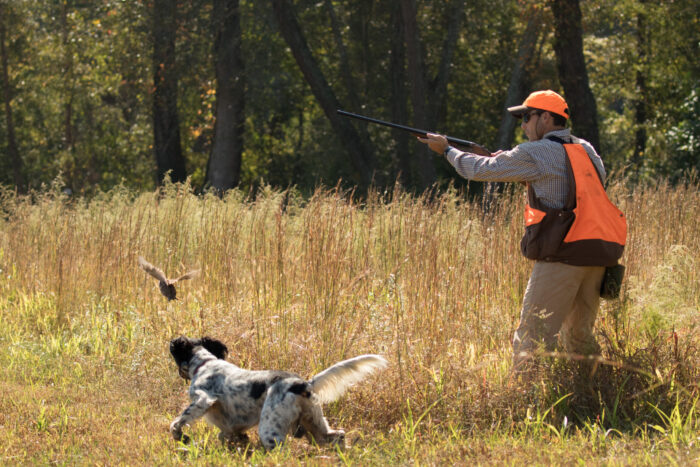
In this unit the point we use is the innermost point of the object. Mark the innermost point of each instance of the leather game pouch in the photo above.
(612, 281)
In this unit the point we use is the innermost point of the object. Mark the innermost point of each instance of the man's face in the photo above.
(531, 124)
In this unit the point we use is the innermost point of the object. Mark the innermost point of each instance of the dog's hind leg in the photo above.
(316, 425)
(280, 413)
(200, 404)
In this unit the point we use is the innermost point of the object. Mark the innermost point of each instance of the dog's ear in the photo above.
(215, 347)
(181, 349)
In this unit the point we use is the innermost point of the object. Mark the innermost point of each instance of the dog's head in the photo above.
(183, 348)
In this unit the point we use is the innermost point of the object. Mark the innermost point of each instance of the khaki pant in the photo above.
(560, 300)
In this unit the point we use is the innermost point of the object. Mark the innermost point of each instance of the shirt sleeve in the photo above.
(515, 165)
(597, 161)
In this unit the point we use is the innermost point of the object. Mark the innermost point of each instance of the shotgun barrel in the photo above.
(464, 144)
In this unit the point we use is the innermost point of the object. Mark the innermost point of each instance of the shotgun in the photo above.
(462, 144)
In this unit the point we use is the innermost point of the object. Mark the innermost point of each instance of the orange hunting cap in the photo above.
(542, 100)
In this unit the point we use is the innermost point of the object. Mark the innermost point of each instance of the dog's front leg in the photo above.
(201, 402)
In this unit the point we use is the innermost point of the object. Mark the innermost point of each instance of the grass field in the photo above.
(289, 283)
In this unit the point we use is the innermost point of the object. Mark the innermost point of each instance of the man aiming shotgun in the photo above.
(573, 232)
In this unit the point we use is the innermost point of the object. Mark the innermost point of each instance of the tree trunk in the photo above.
(438, 96)
(640, 106)
(344, 62)
(68, 77)
(12, 149)
(224, 168)
(571, 66)
(346, 74)
(419, 98)
(360, 150)
(528, 55)
(166, 126)
(399, 95)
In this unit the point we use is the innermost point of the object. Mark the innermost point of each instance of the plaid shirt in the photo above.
(541, 163)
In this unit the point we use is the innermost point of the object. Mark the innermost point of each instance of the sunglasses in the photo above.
(528, 116)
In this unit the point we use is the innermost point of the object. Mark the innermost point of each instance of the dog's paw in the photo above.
(233, 440)
(336, 438)
(179, 436)
(300, 432)
(176, 432)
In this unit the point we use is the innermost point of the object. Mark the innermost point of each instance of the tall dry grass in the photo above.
(434, 283)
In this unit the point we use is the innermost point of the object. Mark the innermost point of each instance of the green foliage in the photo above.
(679, 427)
(80, 83)
(666, 59)
(684, 139)
(80, 93)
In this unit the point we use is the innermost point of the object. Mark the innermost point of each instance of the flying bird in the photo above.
(166, 286)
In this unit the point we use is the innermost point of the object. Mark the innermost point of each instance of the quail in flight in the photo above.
(166, 286)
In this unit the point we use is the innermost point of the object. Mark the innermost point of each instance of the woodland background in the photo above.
(238, 93)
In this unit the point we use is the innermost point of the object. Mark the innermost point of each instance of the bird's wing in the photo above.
(152, 270)
(186, 276)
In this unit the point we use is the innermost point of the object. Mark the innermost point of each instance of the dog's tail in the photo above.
(332, 382)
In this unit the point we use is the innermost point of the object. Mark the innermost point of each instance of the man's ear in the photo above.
(549, 119)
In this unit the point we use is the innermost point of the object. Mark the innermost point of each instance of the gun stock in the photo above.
(462, 144)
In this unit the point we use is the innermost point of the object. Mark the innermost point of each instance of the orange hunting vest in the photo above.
(589, 231)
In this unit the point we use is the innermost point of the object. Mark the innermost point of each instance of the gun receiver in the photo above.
(463, 144)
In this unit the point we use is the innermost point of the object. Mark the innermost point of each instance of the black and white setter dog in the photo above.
(279, 402)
